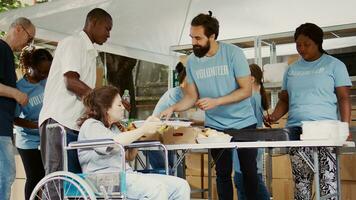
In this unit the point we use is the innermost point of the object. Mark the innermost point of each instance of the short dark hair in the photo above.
(313, 32)
(210, 24)
(98, 14)
(180, 69)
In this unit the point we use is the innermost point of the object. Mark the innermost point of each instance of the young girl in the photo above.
(36, 65)
(259, 103)
(104, 110)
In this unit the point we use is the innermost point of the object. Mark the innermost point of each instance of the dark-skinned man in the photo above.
(72, 76)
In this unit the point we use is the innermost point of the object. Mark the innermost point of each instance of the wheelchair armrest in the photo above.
(143, 144)
(85, 144)
(91, 144)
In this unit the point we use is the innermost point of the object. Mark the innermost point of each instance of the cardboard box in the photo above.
(281, 167)
(348, 190)
(283, 189)
(197, 182)
(181, 135)
(156, 137)
(197, 165)
(347, 167)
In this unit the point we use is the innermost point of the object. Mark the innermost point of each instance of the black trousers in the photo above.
(248, 166)
(32, 162)
(52, 153)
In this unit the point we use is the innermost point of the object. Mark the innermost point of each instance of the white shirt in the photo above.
(74, 53)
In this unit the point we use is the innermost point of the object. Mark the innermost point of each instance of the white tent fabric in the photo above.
(243, 18)
(146, 29)
(142, 29)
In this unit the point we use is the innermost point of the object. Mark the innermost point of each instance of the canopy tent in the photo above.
(147, 29)
(141, 29)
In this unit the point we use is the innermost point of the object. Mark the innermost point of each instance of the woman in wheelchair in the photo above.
(103, 112)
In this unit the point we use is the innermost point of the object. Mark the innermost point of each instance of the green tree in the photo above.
(6, 5)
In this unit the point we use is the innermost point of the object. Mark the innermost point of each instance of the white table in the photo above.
(271, 144)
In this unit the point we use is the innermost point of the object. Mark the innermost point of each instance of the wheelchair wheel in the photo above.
(62, 185)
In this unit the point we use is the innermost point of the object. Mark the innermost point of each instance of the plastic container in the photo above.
(126, 97)
(325, 130)
(216, 139)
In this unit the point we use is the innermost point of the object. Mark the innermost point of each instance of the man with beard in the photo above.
(219, 83)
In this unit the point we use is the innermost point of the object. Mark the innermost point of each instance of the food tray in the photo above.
(265, 134)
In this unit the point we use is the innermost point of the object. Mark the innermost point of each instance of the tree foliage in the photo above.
(6, 5)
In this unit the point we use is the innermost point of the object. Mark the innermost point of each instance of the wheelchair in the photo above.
(71, 184)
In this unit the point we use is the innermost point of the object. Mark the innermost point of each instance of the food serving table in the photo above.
(315, 144)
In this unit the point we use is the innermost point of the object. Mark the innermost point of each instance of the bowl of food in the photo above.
(212, 136)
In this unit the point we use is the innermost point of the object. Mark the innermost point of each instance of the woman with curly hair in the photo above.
(35, 64)
(103, 112)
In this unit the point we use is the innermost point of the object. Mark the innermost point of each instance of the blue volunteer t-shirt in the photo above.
(169, 98)
(215, 77)
(311, 89)
(29, 138)
(256, 102)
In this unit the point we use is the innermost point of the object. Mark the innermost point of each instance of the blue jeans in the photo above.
(156, 160)
(7, 167)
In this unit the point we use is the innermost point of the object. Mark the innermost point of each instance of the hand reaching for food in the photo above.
(151, 125)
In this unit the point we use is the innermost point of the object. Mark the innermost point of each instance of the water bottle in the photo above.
(126, 97)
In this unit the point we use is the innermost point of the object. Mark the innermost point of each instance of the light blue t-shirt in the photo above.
(169, 98)
(256, 102)
(29, 138)
(216, 77)
(311, 89)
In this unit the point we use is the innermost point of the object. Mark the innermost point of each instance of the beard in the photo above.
(201, 51)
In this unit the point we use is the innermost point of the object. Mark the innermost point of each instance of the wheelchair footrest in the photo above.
(154, 171)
